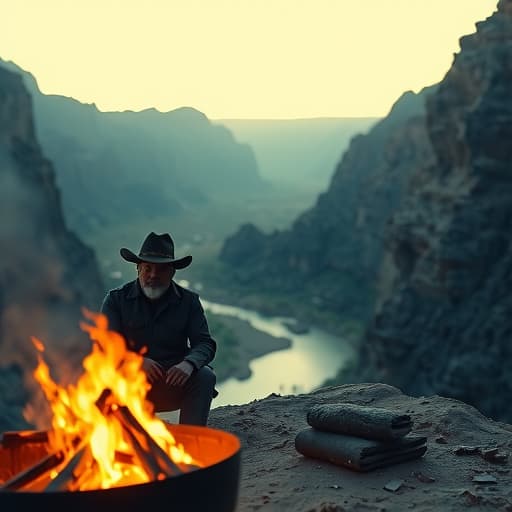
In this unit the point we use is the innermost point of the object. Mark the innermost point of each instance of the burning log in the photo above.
(70, 471)
(132, 426)
(39, 475)
(11, 439)
(33, 473)
(151, 456)
(71, 467)
(84, 473)
(145, 458)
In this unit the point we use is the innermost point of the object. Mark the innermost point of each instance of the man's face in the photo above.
(155, 278)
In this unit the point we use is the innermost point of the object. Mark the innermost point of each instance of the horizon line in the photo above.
(291, 118)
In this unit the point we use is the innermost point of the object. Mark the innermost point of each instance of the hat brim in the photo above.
(133, 258)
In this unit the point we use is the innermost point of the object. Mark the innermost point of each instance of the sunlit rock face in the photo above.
(444, 318)
(46, 273)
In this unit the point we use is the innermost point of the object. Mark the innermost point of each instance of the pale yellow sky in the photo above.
(238, 58)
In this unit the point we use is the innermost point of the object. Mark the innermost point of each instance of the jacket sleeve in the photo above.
(203, 346)
(110, 309)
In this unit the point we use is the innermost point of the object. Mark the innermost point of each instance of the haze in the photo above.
(238, 58)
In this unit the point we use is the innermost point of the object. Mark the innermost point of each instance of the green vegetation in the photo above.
(226, 359)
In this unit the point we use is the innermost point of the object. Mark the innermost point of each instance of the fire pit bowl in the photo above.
(212, 488)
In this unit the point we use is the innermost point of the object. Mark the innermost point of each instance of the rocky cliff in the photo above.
(414, 235)
(444, 317)
(329, 259)
(46, 273)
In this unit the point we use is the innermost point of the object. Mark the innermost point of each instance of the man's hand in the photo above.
(153, 370)
(178, 374)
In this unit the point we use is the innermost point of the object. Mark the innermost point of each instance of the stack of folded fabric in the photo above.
(359, 437)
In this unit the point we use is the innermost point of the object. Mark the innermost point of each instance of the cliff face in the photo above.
(444, 319)
(46, 273)
(330, 257)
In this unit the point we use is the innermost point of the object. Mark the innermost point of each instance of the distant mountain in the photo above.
(330, 256)
(298, 152)
(47, 274)
(113, 167)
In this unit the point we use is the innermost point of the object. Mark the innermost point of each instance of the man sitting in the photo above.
(167, 324)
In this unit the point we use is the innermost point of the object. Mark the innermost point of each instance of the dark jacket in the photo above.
(173, 328)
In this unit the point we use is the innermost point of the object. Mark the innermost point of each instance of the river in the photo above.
(311, 358)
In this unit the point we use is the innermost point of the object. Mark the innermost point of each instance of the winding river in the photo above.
(311, 358)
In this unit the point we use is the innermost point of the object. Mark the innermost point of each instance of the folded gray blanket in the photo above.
(361, 421)
(357, 453)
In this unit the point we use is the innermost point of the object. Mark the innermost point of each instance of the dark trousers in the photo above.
(193, 399)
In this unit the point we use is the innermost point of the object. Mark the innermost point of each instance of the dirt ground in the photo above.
(461, 444)
(274, 476)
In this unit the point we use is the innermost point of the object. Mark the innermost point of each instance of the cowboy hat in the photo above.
(156, 249)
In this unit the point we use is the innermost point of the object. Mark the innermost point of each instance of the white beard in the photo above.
(154, 293)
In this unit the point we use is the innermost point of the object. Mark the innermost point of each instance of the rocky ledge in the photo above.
(466, 463)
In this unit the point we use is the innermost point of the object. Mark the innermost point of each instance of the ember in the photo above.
(104, 433)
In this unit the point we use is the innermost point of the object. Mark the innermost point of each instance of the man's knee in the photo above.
(206, 377)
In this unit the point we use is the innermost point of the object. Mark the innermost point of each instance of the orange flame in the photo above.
(77, 420)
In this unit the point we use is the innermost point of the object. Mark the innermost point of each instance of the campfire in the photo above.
(105, 437)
